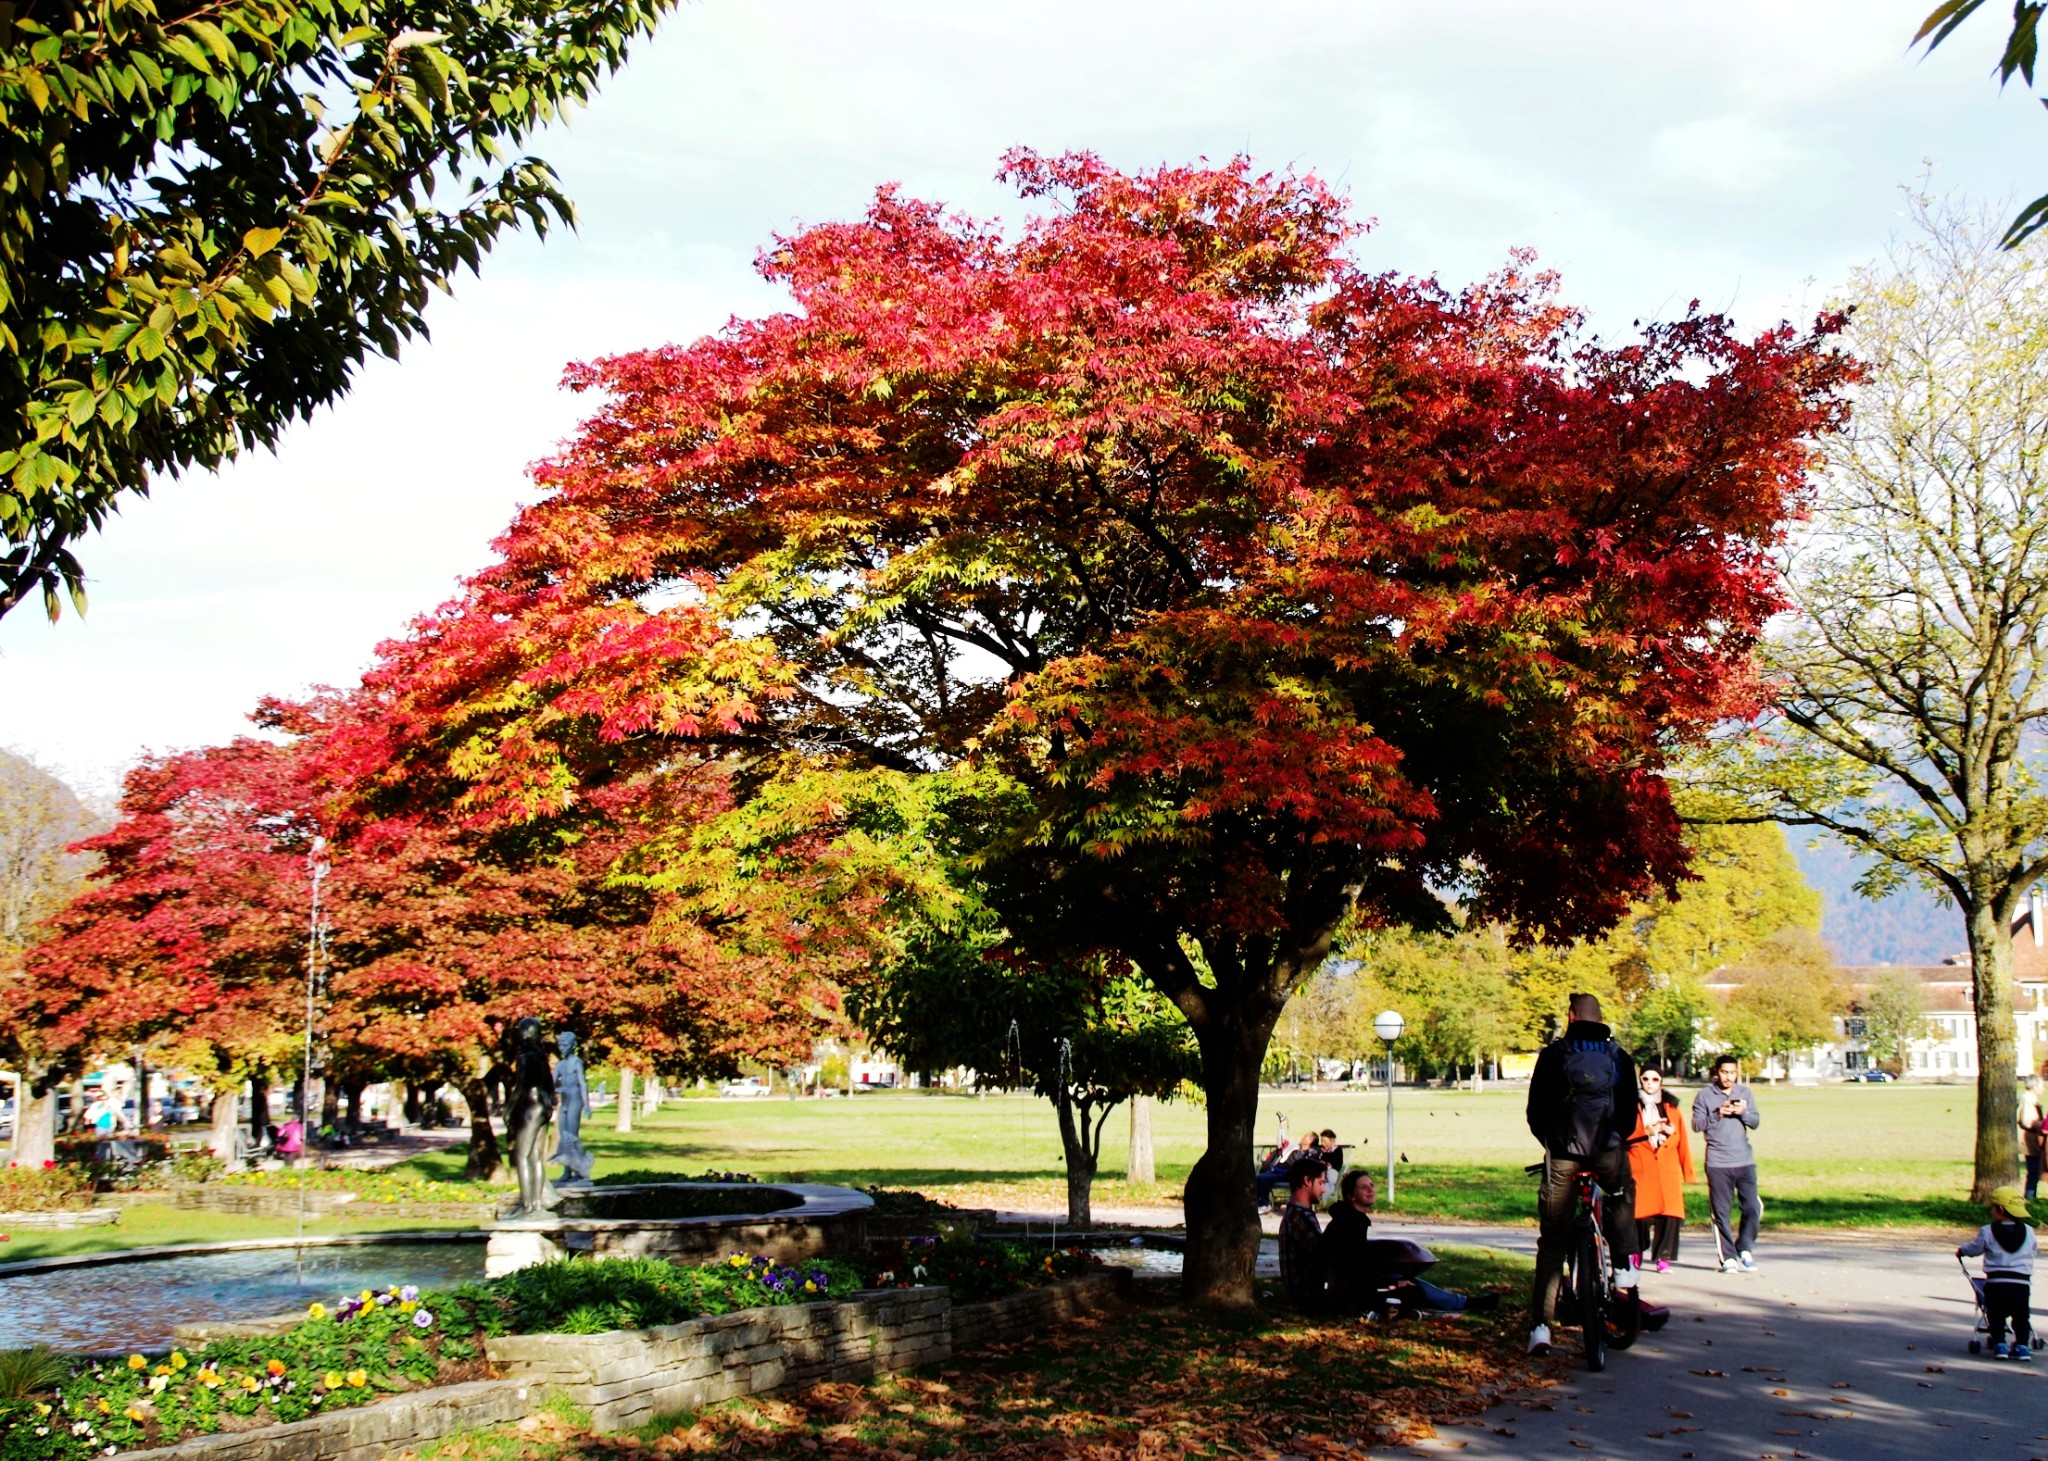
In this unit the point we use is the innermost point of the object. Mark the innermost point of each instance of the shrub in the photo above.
(27, 1373)
(585, 1297)
(641, 1176)
(972, 1271)
(48, 1188)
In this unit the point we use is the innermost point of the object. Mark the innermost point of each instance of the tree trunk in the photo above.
(352, 1098)
(415, 1104)
(1081, 1155)
(650, 1102)
(1998, 1147)
(330, 1103)
(1219, 1202)
(222, 1139)
(259, 1107)
(623, 1119)
(486, 1162)
(35, 1117)
(1138, 1167)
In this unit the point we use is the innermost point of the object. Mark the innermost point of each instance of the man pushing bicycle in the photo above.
(1582, 1107)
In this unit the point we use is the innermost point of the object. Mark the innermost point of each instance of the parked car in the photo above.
(745, 1086)
(1872, 1077)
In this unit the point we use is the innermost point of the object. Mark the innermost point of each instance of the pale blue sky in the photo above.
(1745, 154)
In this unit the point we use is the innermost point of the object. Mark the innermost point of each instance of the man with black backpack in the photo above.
(1582, 1107)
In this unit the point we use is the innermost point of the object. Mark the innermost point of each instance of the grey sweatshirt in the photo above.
(1727, 1136)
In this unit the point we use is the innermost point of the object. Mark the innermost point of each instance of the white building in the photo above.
(1949, 1050)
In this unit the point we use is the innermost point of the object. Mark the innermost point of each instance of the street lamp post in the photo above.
(1388, 1025)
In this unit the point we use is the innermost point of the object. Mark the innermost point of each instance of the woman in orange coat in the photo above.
(1660, 1162)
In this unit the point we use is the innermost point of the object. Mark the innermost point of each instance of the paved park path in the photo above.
(1836, 1349)
(1843, 1348)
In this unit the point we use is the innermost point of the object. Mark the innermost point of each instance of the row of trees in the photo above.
(1473, 993)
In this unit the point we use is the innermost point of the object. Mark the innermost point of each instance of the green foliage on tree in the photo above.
(1893, 1011)
(1664, 1024)
(1791, 993)
(215, 212)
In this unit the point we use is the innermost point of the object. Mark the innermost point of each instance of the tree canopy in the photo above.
(1909, 690)
(215, 212)
(1280, 592)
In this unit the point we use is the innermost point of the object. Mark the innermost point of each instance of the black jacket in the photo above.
(1549, 1092)
(1347, 1270)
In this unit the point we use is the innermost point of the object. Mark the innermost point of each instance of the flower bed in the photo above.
(371, 1345)
(973, 1271)
(48, 1188)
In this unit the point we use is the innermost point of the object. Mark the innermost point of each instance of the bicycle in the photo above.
(1608, 1317)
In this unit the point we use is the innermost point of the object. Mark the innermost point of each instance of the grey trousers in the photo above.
(1738, 1184)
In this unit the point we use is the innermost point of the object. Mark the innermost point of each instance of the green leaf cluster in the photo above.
(211, 214)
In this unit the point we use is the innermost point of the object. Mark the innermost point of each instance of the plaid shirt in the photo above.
(1301, 1266)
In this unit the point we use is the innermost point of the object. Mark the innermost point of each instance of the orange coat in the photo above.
(1660, 1175)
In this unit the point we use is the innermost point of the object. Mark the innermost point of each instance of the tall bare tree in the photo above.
(39, 818)
(1912, 684)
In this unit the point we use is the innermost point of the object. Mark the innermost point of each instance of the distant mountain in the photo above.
(1909, 927)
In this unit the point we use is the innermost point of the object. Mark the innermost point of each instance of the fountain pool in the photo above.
(134, 1304)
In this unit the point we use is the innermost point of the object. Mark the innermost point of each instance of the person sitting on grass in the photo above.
(2006, 1244)
(1355, 1272)
(1301, 1235)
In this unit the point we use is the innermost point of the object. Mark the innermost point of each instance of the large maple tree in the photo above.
(1277, 592)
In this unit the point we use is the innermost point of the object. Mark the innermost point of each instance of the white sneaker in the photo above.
(1748, 1263)
(1539, 1339)
(1729, 1265)
(1624, 1278)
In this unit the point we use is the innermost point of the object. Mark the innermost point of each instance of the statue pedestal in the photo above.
(512, 1247)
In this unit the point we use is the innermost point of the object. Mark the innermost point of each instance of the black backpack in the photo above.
(1586, 1125)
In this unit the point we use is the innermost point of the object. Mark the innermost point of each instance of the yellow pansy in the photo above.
(358, 1378)
(178, 1360)
(137, 1362)
(316, 1311)
(333, 1380)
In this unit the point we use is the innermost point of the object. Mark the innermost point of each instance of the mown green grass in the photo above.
(146, 1226)
(1832, 1156)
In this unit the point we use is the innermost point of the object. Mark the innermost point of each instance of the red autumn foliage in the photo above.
(1282, 591)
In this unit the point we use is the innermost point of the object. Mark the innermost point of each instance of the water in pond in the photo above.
(133, 1306)
(1167, 1260)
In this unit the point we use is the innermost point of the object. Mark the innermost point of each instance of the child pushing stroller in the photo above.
(2006, 1244)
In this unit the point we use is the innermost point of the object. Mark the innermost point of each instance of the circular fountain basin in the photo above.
(690, 1222)
(118, 1303)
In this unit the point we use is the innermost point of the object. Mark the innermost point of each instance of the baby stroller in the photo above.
(1977, 1294)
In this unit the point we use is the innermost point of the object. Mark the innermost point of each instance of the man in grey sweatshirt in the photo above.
(1725, 1113)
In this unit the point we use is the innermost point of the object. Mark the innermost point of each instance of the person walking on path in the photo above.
(1725, 1113)
(1582, 1106)
(2032, 1139)
(1660, 1162)
(2006, 1244)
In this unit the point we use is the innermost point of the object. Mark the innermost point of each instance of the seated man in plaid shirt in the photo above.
(1301, 1234)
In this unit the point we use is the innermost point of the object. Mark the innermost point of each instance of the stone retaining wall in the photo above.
(276, 1202)
(90, 1217)
(1018, 1315)
(365, 1432)
(629, 1377)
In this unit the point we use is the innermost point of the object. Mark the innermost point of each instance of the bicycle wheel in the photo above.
(1590, 1301)
(1624, 1318)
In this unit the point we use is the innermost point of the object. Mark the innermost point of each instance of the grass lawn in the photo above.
(145, 1226)
(1165, 1381)
(1831, 1156)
